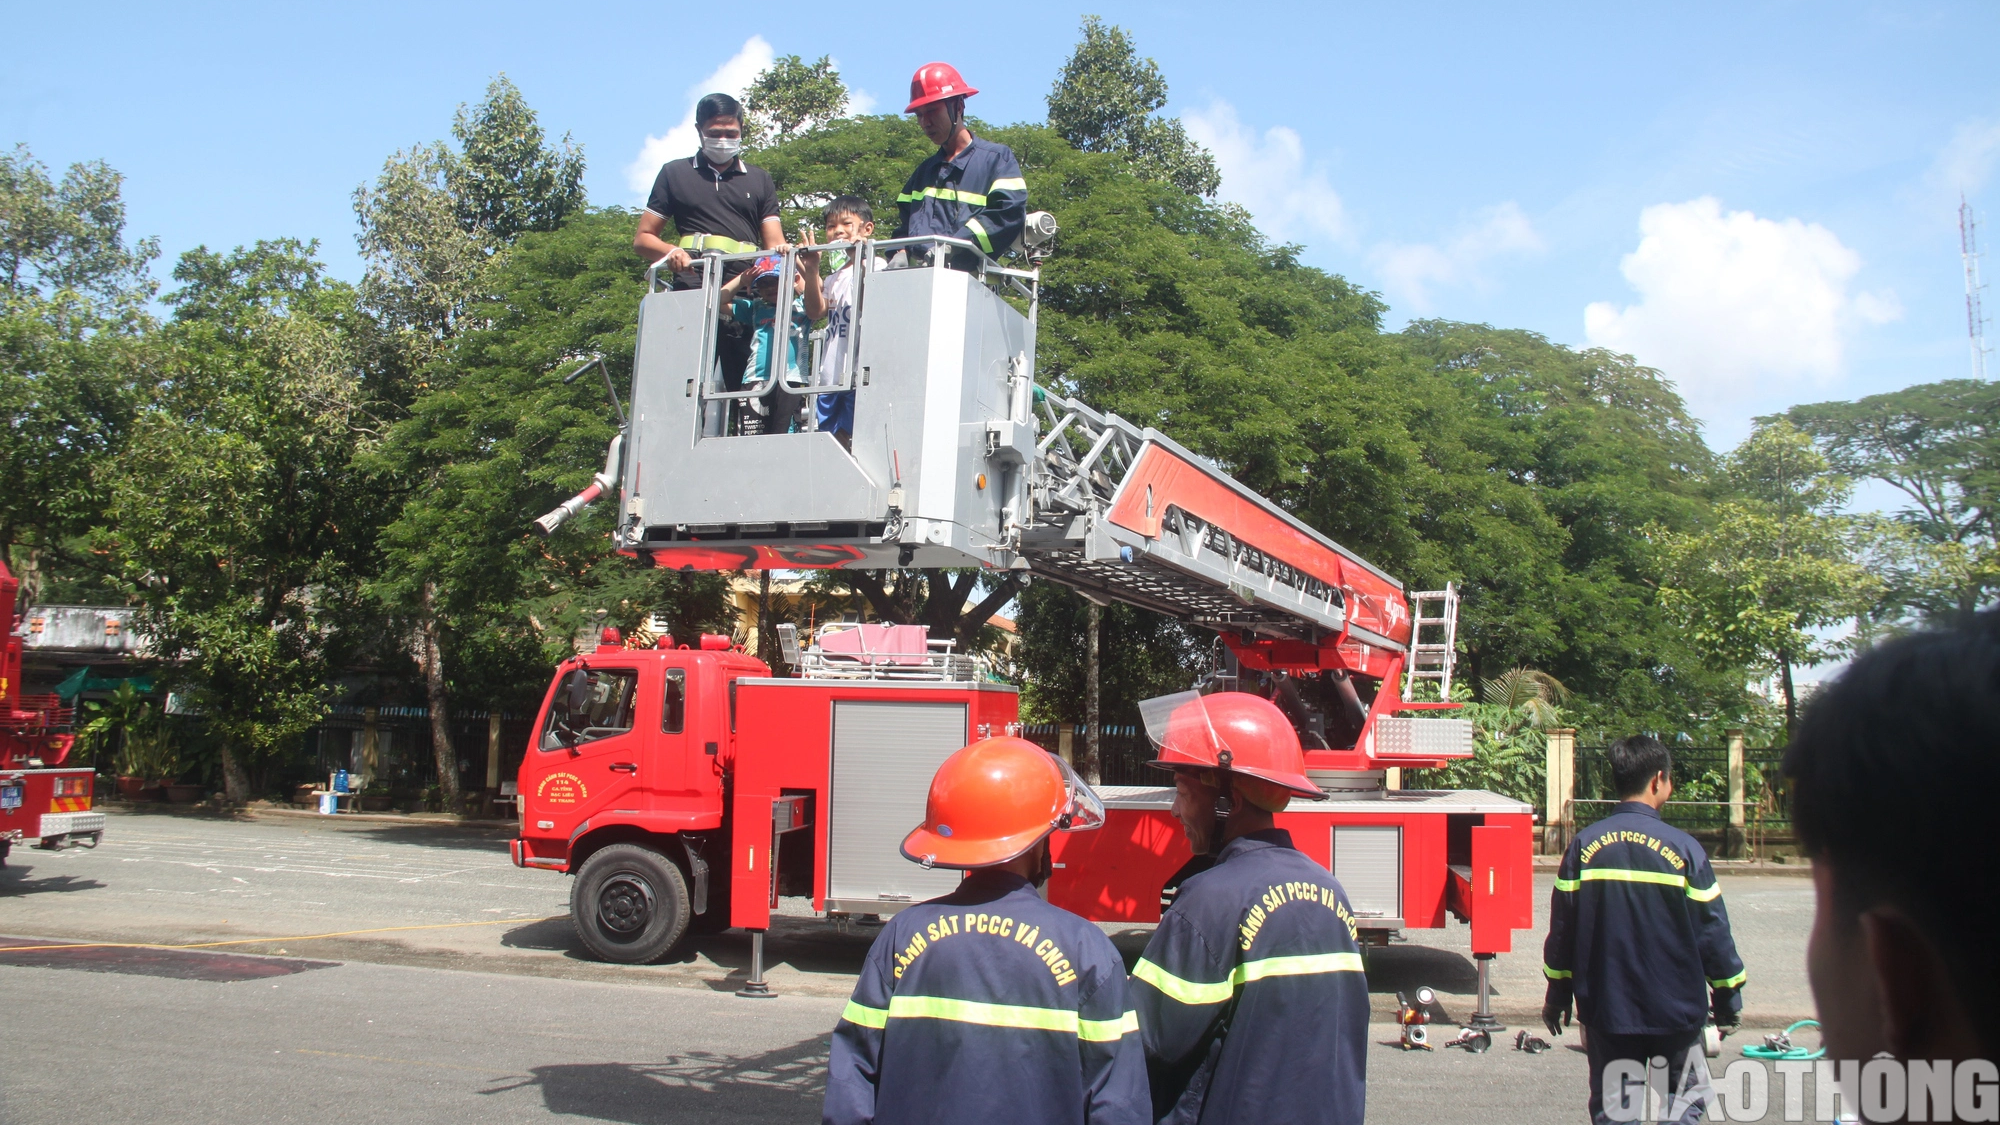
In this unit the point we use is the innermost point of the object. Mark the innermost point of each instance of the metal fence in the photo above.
(1123, 752)
(405, 764)
(1700, 803)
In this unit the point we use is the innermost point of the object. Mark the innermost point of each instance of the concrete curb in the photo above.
(425, 820)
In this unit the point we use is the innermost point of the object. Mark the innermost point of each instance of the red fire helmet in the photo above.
(934, 82)
(995, 799)
(1193, 730)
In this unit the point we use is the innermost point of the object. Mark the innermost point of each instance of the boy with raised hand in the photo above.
(848, 218)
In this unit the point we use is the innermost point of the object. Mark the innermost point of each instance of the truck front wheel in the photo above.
(629, 904)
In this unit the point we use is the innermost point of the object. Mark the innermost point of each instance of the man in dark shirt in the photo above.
(1251, 999)
(969, 188)
(1639, 944)
(718, 202)
(988, 1006)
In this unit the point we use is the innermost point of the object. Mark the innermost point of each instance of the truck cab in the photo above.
(685, 787)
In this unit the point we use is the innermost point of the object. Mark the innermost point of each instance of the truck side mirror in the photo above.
(571, 706)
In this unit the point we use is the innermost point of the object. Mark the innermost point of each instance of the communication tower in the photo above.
(1975, 316)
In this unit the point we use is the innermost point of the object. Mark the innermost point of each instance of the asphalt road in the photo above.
(483, 1009)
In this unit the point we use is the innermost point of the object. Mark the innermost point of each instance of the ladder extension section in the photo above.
(1434, 639)
(1124, 513)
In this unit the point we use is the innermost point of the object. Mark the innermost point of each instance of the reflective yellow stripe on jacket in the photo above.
(1625, 875)
(950, 195)
(992, 1015)
(1196, 992)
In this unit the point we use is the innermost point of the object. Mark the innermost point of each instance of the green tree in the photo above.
(1143, 655)
(235, 505)
(790, 98)
(1773, 568)
(1583, 451)
(1939, 445)
(434, 228)
(73, 322)
(1104, 101)
(502, 440)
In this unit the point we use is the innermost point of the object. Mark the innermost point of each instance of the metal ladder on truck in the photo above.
(958, 458)
(1434, 639)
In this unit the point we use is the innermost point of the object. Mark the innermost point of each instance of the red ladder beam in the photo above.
(1346, 613)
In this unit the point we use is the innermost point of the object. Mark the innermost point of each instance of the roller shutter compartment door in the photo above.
(883, 757)
(1368, 862)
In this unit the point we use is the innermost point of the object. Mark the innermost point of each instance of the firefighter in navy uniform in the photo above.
(988, 1004)
(1251, 997)
(1639, 941)
(968, 188)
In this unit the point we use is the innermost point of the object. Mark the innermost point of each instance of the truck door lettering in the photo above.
(562, 789)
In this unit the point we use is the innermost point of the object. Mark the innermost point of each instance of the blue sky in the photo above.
(1760, 199)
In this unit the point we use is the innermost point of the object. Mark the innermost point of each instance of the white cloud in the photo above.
(1269, 176)
(732, 78)
(1409, 271)
(859, 102)
(1730, 305)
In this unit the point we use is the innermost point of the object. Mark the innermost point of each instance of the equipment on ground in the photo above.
(1533, 1044)
(1780, 1045)
(1414, 1012)
(691, 787)
(40, 802)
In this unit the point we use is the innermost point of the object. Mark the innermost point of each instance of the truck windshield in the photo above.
(608, 710)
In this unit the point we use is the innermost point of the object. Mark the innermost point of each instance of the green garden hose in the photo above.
(1780, 1046)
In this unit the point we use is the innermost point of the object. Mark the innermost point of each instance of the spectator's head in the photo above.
(1893, 769)
(849, 218)
(720, 112)
(1641, 768)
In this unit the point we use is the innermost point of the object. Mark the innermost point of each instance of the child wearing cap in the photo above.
(777, 410)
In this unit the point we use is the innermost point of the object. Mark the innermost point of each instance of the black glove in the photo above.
(1725, 1007)
(1557, 1006)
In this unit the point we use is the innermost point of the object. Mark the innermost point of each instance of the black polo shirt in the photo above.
(702, 199)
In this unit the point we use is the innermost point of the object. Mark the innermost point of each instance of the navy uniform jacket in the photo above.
(1637, 928)
(1251, 996)
(978, 196)
(988, 1005)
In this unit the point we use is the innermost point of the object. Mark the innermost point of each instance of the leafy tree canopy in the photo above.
(790, 98)
(1104, 100)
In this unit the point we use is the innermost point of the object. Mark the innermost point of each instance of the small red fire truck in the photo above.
(40, 803)
(685, 785)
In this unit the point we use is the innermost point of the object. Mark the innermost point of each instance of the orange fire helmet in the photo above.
(995, 799)
(1229, 730)
(934, 82)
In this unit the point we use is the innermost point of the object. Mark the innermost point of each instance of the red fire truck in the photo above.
(40, 802)
(684, 785)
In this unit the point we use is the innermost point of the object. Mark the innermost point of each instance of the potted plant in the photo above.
(112, 724)
(149, 756)
(375, 797)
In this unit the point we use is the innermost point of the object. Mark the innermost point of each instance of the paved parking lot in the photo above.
(361, 960)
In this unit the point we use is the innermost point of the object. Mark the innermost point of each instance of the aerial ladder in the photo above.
(961, 458)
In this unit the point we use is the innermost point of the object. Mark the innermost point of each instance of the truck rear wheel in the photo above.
(629, 904)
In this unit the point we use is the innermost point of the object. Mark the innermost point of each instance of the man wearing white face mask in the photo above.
(716, 201)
